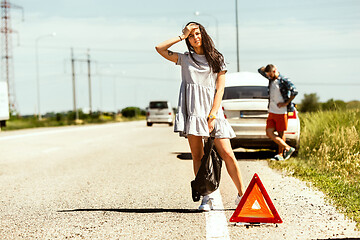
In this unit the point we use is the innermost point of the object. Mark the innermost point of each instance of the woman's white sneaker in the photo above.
(237, 200)
(206, 204)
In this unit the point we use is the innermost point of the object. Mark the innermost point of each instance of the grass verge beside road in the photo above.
(32, 122)
(329, 157)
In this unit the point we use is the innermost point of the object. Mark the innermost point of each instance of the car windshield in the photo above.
(246, 92)
(160, 105)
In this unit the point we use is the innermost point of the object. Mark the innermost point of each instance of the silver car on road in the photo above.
(159, 112)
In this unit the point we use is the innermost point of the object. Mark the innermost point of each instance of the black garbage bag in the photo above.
(207, 179)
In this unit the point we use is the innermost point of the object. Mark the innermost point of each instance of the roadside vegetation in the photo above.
(69, 118)
(329, 156)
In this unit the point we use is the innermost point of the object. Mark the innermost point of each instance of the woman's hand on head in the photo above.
(187, 30)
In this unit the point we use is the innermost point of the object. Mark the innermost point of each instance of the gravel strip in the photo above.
(305, 212)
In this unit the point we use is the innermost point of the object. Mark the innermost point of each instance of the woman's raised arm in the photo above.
(163, 48)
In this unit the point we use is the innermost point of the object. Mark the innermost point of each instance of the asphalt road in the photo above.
(129, 181)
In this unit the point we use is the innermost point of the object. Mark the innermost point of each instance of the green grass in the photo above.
(329, 157)
(23, 123)
(33, 122)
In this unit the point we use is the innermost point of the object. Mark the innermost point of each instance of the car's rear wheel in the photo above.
(149, 124)
(171, 124)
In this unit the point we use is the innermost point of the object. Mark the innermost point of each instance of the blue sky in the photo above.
(315, 43)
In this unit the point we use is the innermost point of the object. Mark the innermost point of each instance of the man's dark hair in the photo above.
(269, 68)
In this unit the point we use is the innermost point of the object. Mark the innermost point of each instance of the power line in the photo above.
(94, 49)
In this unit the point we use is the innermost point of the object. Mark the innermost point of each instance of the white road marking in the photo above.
(216, 223)
(57, 130)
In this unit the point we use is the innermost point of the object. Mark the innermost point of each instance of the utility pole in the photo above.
(88, 61)
(114, 84)
(73, 83)
(89, 79)
(237, 36)
(7, 68)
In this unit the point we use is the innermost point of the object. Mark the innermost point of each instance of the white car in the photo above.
(245, 104)
(159, 112)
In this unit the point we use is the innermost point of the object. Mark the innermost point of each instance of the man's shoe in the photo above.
(287, 154)
(206, 204)
(238, 199)
(277, 158)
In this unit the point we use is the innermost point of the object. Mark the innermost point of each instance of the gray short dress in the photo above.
(196, 99)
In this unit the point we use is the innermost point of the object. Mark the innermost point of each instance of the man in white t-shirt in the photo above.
(281, 93)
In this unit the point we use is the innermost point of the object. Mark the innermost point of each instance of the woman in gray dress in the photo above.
(199, 110)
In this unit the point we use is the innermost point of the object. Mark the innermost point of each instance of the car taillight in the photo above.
(224, 112)
(292, 115)
(148, 114)
(169, 113)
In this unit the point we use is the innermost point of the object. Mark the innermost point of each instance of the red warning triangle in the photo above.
(256, 205)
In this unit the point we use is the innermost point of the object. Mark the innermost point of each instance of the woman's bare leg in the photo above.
(197, 151)
(225, 151)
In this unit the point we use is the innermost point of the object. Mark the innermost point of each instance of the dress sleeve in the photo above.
(223, 68)
(180, 59)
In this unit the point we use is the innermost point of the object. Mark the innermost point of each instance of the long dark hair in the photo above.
(214, 58)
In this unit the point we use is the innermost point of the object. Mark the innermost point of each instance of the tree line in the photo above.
(311, 103)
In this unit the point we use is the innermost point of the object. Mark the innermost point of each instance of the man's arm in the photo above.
(262, 72)
(284, 104)
(293, 92)
(291, 87)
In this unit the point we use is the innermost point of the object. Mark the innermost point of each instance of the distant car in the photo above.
(245, 104)
(159, 112)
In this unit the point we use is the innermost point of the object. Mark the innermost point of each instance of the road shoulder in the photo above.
(305, 212)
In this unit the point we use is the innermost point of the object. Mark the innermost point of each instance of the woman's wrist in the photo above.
(182, 37)
(212, 116)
